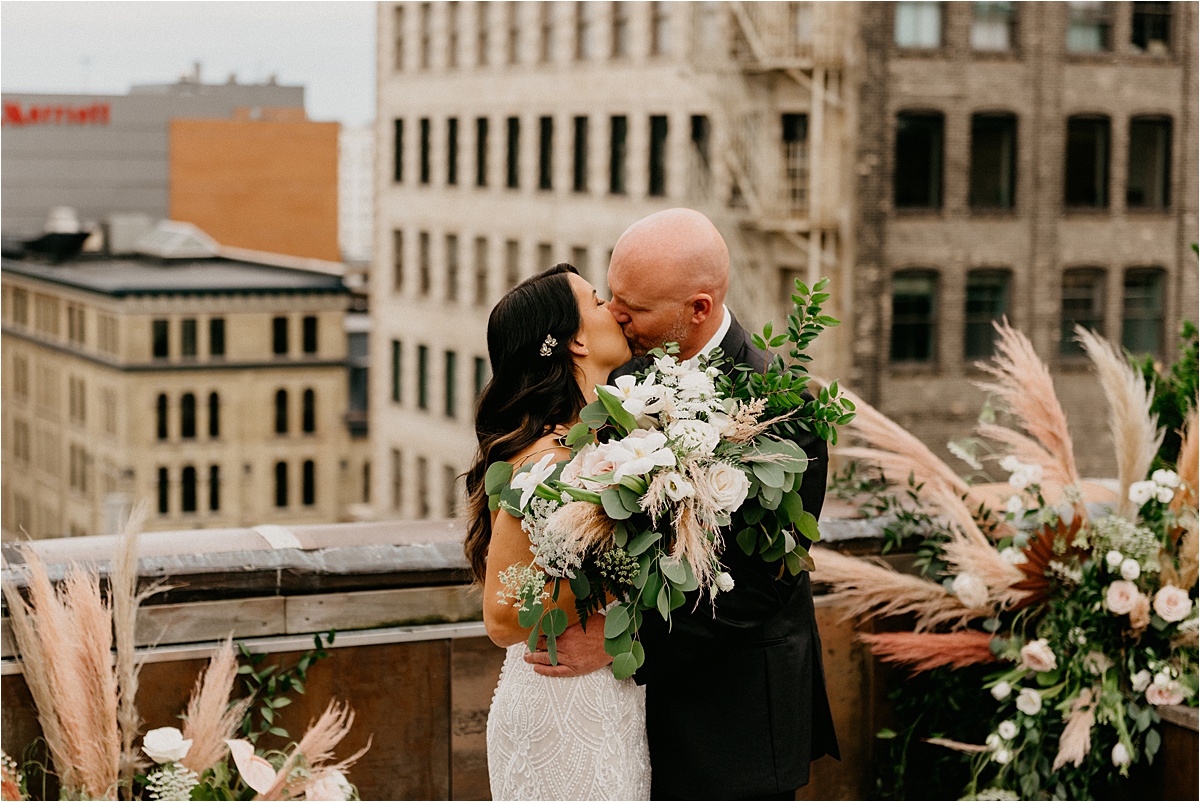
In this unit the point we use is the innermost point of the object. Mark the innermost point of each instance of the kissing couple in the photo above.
(730, 702)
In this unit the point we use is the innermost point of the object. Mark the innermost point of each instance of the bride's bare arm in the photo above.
(510, 546)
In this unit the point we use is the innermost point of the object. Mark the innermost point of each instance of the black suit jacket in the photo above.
(735, 701)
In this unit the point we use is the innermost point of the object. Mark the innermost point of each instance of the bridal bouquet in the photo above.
(1077, 622)
(662, 464)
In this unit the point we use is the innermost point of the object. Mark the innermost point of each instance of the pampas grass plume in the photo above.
(210, 718)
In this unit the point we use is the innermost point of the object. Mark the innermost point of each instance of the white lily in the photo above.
(639, 453)
(527, 482)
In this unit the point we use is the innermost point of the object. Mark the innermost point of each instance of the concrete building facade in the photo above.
(356, 193)
(511, 136)
(213, 389)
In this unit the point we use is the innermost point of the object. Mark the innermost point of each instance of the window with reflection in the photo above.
(1082, 305)
(918, 25)
(1151, 28)
(914, 316)
(1089, 27)
(1142, 311)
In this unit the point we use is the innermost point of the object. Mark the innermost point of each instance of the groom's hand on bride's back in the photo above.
(579, 651)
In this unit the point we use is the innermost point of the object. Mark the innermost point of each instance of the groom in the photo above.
(735, 702)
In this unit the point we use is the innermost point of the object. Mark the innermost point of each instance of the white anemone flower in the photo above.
(645, 398)
(639, 453)
(527, 482)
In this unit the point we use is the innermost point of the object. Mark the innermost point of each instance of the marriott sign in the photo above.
(21, 114)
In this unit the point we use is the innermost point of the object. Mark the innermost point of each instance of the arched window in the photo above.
(914, 316)
(309, 483)
(160, 411)
(1086, 181)
(917, 172)
(187, 490)
(164, 491)
(214, 487)
(281, 412)
(187, 416)
(214, 415)
(281, 484)
(309, 412)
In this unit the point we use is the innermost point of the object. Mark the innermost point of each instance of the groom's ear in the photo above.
(702, 307)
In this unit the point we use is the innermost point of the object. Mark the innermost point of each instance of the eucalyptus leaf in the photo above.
(580, 585)
(747, 539)
(613, 507)
(616, 621)
(554, 622)
(793, 505)
(624, 665)
(498, 475)
(643, 541)
(808, 526)
(594, 414)
(618, 645)
(771, 474)
(674, 571)
(771, 497)
(631, 500)
(579, 433)
(663, 602)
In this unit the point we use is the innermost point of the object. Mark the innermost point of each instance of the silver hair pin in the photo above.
(548, 346)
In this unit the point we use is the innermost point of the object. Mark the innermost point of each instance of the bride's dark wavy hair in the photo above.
(529, 394)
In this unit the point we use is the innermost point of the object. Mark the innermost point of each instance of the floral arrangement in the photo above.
(662, 464)
(1083, 616)
(90, 724)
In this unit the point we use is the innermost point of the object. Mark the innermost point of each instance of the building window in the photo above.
(987, 303)
(451, 384)
(76, 324)
(308, 483)
(214, 415)
(214, 488)
(513, 176)
(160, 415)
(422, 487)
(398, 151)
(583, 31)
(701, 138)
(216, 337)
(658, 156)
(187, 490)
(993, 161)
(309, 334)
(308, 411)
(545, 254)
(1082, 305)
(452, 149)
(616, 156)
(914, 316)
(397, 260)
(164, 491)
(397, 364)
(426, 13)
(1151, 28)
(580, 167)
(366, 483)
(423, 377)
(1149, 183)
(993, 28)
(1089, 27)
(281, 484)
(423, 267)
(397, 480)
(398, 38)
(481, 271)
(919, 25)
(451, 267)
(451, 35)
(546, 30)
(20, 302)
(1142, 311)
(795, 160)
(579, 259)
(481, 375)
(512, 263)
(660, 29)
(424, 150)
(513, 40)
(545, 152)
(620, 29)
(450, 490)
(918, 171)
(481, 151)
(187, 416)
(162, 339)
(279, 336)
(1086, 184)
(482, 27)
(281, 412)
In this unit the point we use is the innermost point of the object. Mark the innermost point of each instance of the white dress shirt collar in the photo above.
(722, 330)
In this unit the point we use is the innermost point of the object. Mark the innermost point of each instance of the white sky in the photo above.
(104, 47)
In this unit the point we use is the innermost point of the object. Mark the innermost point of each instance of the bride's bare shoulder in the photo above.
(549, 444)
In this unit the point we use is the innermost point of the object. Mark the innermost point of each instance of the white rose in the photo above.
(1013, 556)
(1165, 478)
(1029, 701)
(1164, 495)
(1121, 597)
(1172, 603)
(1038, 656)
(727, 486)
(1114, 559)
(1015, 505)
(1130, 569)
(333, 787)
(695, 436)
(1002, 756)
(1120, 755)
(1007, 730)
(970, 590)
(1140, 681)
(724, 582)
(1169, 694)
(166, 745)
(677, 487)
(1141, 492)
(1001, 691)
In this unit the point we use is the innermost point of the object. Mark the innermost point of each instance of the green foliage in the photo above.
(271, 686)
(1174, 388)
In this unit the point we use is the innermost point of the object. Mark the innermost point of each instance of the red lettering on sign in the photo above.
(18, 115)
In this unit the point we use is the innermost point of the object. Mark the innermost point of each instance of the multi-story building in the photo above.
(214, 389)
(935, 160)
(356, 192)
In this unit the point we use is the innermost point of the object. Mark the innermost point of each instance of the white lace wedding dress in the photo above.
(566, 737)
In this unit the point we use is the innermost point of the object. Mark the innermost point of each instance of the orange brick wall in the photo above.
(267, 185)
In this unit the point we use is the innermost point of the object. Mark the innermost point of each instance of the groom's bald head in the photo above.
(669, 275)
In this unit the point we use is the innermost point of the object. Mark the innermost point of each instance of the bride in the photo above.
(551, 340)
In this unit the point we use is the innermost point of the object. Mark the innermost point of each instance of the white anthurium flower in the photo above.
(637, 399)
(257, 772)
(333, 787)
(1165, 478)
(528, 481)
(166, 745)
(640, 453)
